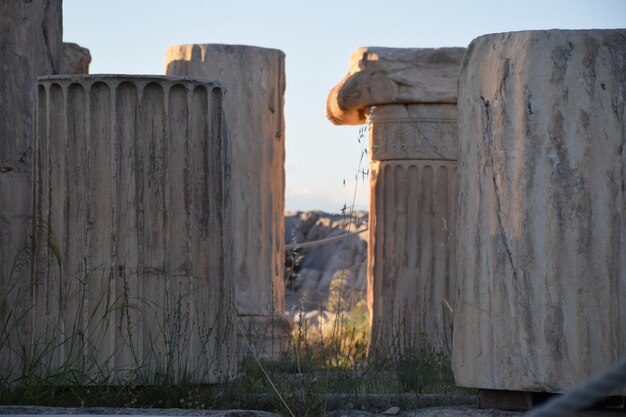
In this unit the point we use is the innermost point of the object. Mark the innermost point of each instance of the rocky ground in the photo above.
(456, 411)
(314, 269)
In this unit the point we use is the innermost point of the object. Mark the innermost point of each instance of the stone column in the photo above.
(255, 79)
(413, 183)
(542, 220)
(30, 46)
(132, 200)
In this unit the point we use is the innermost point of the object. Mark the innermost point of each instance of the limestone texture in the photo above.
(414, 132)
(413, 202)
(408, 98)
(412, 264)
(30, 46)
(542, 210)
(76, 59)
(394, 76)
(133, 270)
(255, 80)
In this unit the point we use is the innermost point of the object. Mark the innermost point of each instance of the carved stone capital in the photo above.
(380, 76)
(416, 131)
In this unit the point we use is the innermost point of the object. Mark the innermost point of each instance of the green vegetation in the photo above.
(66, 365)
(71, 361)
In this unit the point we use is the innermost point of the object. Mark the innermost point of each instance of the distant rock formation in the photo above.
(310, 270)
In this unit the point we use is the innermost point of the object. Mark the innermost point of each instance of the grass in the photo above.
(326, 365)
(69, 364)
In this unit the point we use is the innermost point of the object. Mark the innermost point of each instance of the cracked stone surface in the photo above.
(255, 85)
(542, 220)
(30, 46)
(394, 76)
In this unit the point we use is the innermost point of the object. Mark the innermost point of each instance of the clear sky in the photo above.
(318, 37)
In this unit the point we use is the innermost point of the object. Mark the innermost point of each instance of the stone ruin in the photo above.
(131, 182)
(129, 267)
(410, 96)
(254, 76)
(542, 219)
(135, 202)
(539, 278)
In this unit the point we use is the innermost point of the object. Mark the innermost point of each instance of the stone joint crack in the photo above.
(488, 136)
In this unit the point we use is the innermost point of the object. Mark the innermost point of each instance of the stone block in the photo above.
(255, 78)
(394, 76)
(30, 46)
(133, 268)
(542, 210)
(76, 59)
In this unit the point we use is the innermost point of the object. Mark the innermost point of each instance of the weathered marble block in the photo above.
(413, 194)
(542, 221)
(30, 46)
(133, 268)
(255, 78)
(413, 189)
(394, 76)
(76, 59)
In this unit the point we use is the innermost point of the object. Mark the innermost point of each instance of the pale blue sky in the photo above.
(318, 37)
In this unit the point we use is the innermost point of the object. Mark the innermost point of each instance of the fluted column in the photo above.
(413, 189)
(255, 79)
(542, 220)
(134, 222)
(413, 194)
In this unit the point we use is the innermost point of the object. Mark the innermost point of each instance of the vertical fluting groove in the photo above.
(176, 127)
(77, 119)
(112, 284)
(99, 212)
(85, 236)
(170, 324)
(135, 223)
(42, 252)
(188, 192)
(411, 251)
(172, 328)
(372, 266)
(151, 136)
(421, 236)
(131, 186)
(140, 204)
(216, 161)
(198, 213)
(443, 252)
(254, 112)
(412, 236)
(46, 217)
(87, 232)
(55, 216)
(64, 251)
(382, 211)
